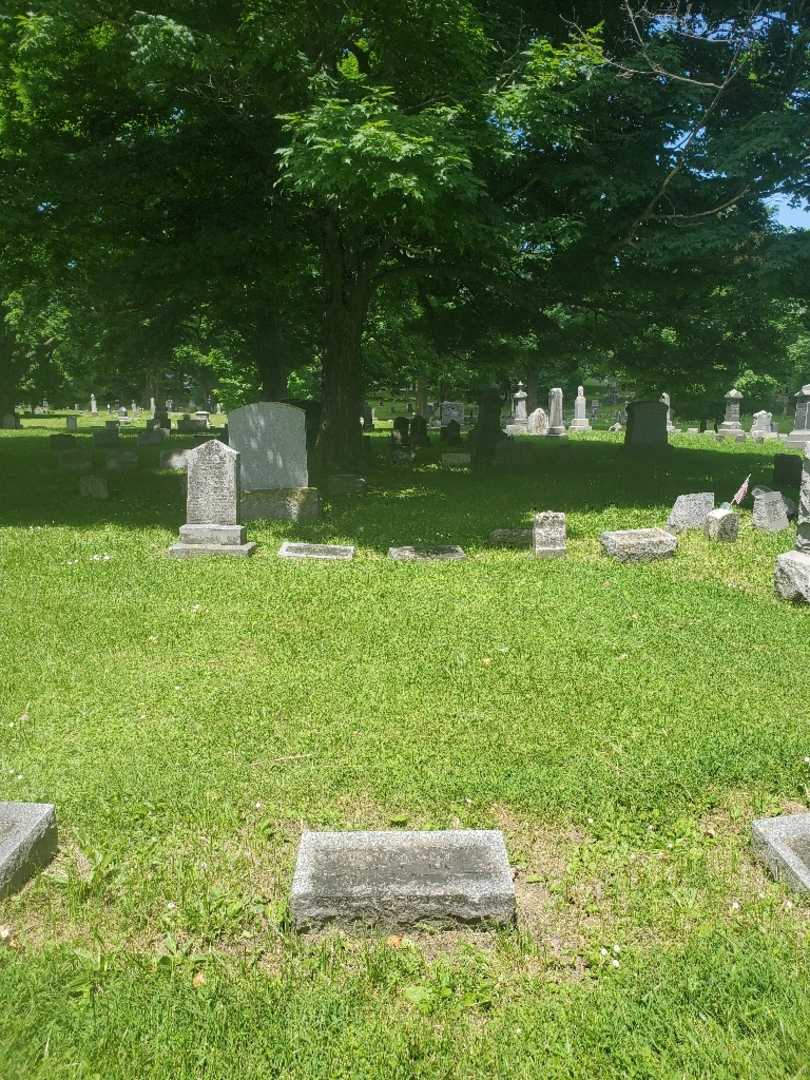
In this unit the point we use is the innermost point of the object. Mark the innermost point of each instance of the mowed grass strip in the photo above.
(622, 724)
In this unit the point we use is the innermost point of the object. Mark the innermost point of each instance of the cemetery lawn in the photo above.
(622, 724)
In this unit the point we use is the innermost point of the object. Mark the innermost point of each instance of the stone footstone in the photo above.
(398, 880)
(548, 535)
(511, 538)
(93, 487)
(690, 511)
(282, 504)
(289, 550)
(791, 576)
(722, 524)
(783, 844)
(443, 552)
(28, 841)
(450, 461)
(770, 512)
(639, 545)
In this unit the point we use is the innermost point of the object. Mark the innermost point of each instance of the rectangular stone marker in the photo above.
(639, 545)
(454, 460)
(212, 505)
(548, 535)
(722, 525)
(783, 844)
(646, 424)
(72, 423)
(289, 550)
(512, 538)
(28, 842)
(271, 437)
(93, 487)
(770, 514)
(690, 511)
(426, 554)
(398, 880)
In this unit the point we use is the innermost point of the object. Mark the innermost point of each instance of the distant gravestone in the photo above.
(212, 505)
(419, 431)
(722, 525)
(438, 552)
(770, 513)
(666, 400)
(28, 841)
(72, 423)
(397, 880)
(731, 424)
(800, 435)
(93, 405)
(152, 437)
(762, 426)
(646, 424)
(556, 424)
(690, 511)
(93, 487)
(519, 424)
(580, 421)
(639, 545)
(548, 535)
(106, 437)
(112, 425)
(488, 432)
(451, 410)
(537, 423)
(451, 433)
(792, 571)
(367, 418)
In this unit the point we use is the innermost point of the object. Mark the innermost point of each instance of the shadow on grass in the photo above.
(418, 504)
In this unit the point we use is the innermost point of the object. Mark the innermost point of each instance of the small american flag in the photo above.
(742, 492)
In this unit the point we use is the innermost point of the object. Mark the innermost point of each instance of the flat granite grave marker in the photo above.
(212, 505)
(28, 841)
(639, 545)
(443, 552)
(290, 550)
(783, 844)
(690, 511)
(548, 535)
(397, 880)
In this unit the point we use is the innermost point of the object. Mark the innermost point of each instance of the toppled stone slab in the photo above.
(791, 576)
(28, 841)
(443, 552)
(770, 512)
(512, 538)
(690, 511)
(450, 461)
(397, 880)
(548, 535)
(783, 844)
(289, 550)
(639, 545)
(281, 504)
(722, 524)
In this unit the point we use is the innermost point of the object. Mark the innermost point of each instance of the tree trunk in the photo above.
(270, 359)
(531, 390)
(421, 396)
(347, 271)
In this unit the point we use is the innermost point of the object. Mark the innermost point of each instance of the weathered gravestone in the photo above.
(580, 421)
(722, 525)
(731, 426)
(93, 405)
(556, 424)
(762, 426)
(28, 841)
(783, 844)
(93, 487)
(792, 571)
(537, 423)
(639, 545)
(690, 511)
(548, 535)
(440, 552)
(330, 552)
(519, 424)
(419, 431)
(397, 880)
(800, 435)
(770, 512)
(451, 410)
(646, 424)
(72, 423)
(272, 441)
(212, 505)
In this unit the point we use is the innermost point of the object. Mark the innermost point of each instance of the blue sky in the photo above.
(798, 218)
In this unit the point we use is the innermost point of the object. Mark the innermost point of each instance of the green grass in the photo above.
(621, 724)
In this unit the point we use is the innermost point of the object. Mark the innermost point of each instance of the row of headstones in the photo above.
(399, 879)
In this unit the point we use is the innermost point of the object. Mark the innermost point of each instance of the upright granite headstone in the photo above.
(72, 423)
(271, 439)
(646, 424)
(722, 525)
(580, 421)
(800, 435)
(556, 424)
(212, 504)
(731, 425)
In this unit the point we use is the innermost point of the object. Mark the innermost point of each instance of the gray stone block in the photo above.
(93, 487)
(443, 552)
(770, 512)
(28, 841)
(548, 535)
(690, 511)
(783, 844)
(722, 524)
(289, 550)
(208, 533)
(282, 504)
(452, 461)
(639, 545)
(791, 576)
(194, 551)
(511, 538)
(397, 880)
